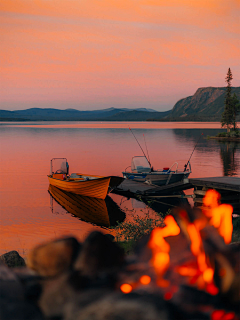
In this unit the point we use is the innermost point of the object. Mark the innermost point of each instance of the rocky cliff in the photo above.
(206, 104)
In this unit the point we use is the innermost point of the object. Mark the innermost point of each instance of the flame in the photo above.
(197, 250)
(160, 247)
(220, 214)
(199, 271)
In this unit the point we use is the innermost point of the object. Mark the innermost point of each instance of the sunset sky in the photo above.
(94, 54)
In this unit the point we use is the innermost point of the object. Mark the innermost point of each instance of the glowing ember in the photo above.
(208, 275)
(145, 279)
(126, 288)
(217, 314)
(221, 315)
(186, 271)
(168, 296)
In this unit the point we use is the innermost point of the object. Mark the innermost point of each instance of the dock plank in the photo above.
(144, 189)
(221, 183)
(139, 188)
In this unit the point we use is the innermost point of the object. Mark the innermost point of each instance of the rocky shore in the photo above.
(68, 280)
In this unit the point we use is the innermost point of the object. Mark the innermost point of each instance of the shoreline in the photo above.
(224, 138)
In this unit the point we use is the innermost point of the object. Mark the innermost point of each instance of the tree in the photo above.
(227, 116)
(235, 105)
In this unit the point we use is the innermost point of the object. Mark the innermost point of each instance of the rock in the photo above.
(56, 292)
(54, 258)
(99, 254)
(115, 306)
(10, 285)
(15, 310)
(12, 259)
(13, 304)
(235, 246)
(110, 236)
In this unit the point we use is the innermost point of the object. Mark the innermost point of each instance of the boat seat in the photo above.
(141, 169)
(74, 176)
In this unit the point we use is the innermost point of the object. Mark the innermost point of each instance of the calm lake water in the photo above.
(30, 215)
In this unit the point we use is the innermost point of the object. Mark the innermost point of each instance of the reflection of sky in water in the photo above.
(26, 217)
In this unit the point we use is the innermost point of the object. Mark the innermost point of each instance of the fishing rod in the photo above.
(146, 148)
(185, 166)
(141, 148)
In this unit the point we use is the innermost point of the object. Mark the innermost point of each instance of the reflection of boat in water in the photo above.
(104, 213)
(79, 183)
(141, 171)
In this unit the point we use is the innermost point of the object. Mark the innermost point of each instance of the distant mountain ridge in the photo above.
(207, 104)
(50, 114)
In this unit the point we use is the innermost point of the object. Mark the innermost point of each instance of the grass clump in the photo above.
(129, 232)
(236, 230)
(231, 134)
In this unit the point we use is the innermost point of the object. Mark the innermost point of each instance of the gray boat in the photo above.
(142, 171)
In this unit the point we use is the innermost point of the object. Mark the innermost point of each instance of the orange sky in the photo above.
(94, 54)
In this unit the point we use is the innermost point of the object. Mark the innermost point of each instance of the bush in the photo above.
(232, 134)
(138, 227)
(236, 230)
(237, 133)
(222, 134)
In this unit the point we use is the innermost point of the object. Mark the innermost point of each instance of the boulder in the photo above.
(55, 257)
(12, 259)
(117, 306)
(99, 254)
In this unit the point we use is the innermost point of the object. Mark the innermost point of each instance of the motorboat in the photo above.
(80, 183)
(142, 171)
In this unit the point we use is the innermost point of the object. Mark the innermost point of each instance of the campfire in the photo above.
(186, 269)
(191, 252)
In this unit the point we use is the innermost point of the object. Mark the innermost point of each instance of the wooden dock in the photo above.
(228, 187)
(218, 183)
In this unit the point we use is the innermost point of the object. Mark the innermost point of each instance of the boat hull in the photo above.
(156, 178)
(96, 188)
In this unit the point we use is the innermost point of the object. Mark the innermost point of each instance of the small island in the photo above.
(224, 137)
(229, 115)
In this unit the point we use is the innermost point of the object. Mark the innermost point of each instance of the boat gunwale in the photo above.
(74, 180)
(156, 173)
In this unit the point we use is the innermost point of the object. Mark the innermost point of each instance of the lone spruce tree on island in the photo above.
(232, 106)
(227, 115)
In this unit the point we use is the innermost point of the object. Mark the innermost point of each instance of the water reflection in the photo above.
(104, 213)
(228, 157)
(94, 148)
(194, 136)
(158, 205)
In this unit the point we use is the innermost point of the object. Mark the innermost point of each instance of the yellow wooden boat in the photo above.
(78, 183)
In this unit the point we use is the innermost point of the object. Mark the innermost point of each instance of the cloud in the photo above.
(136, 49)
